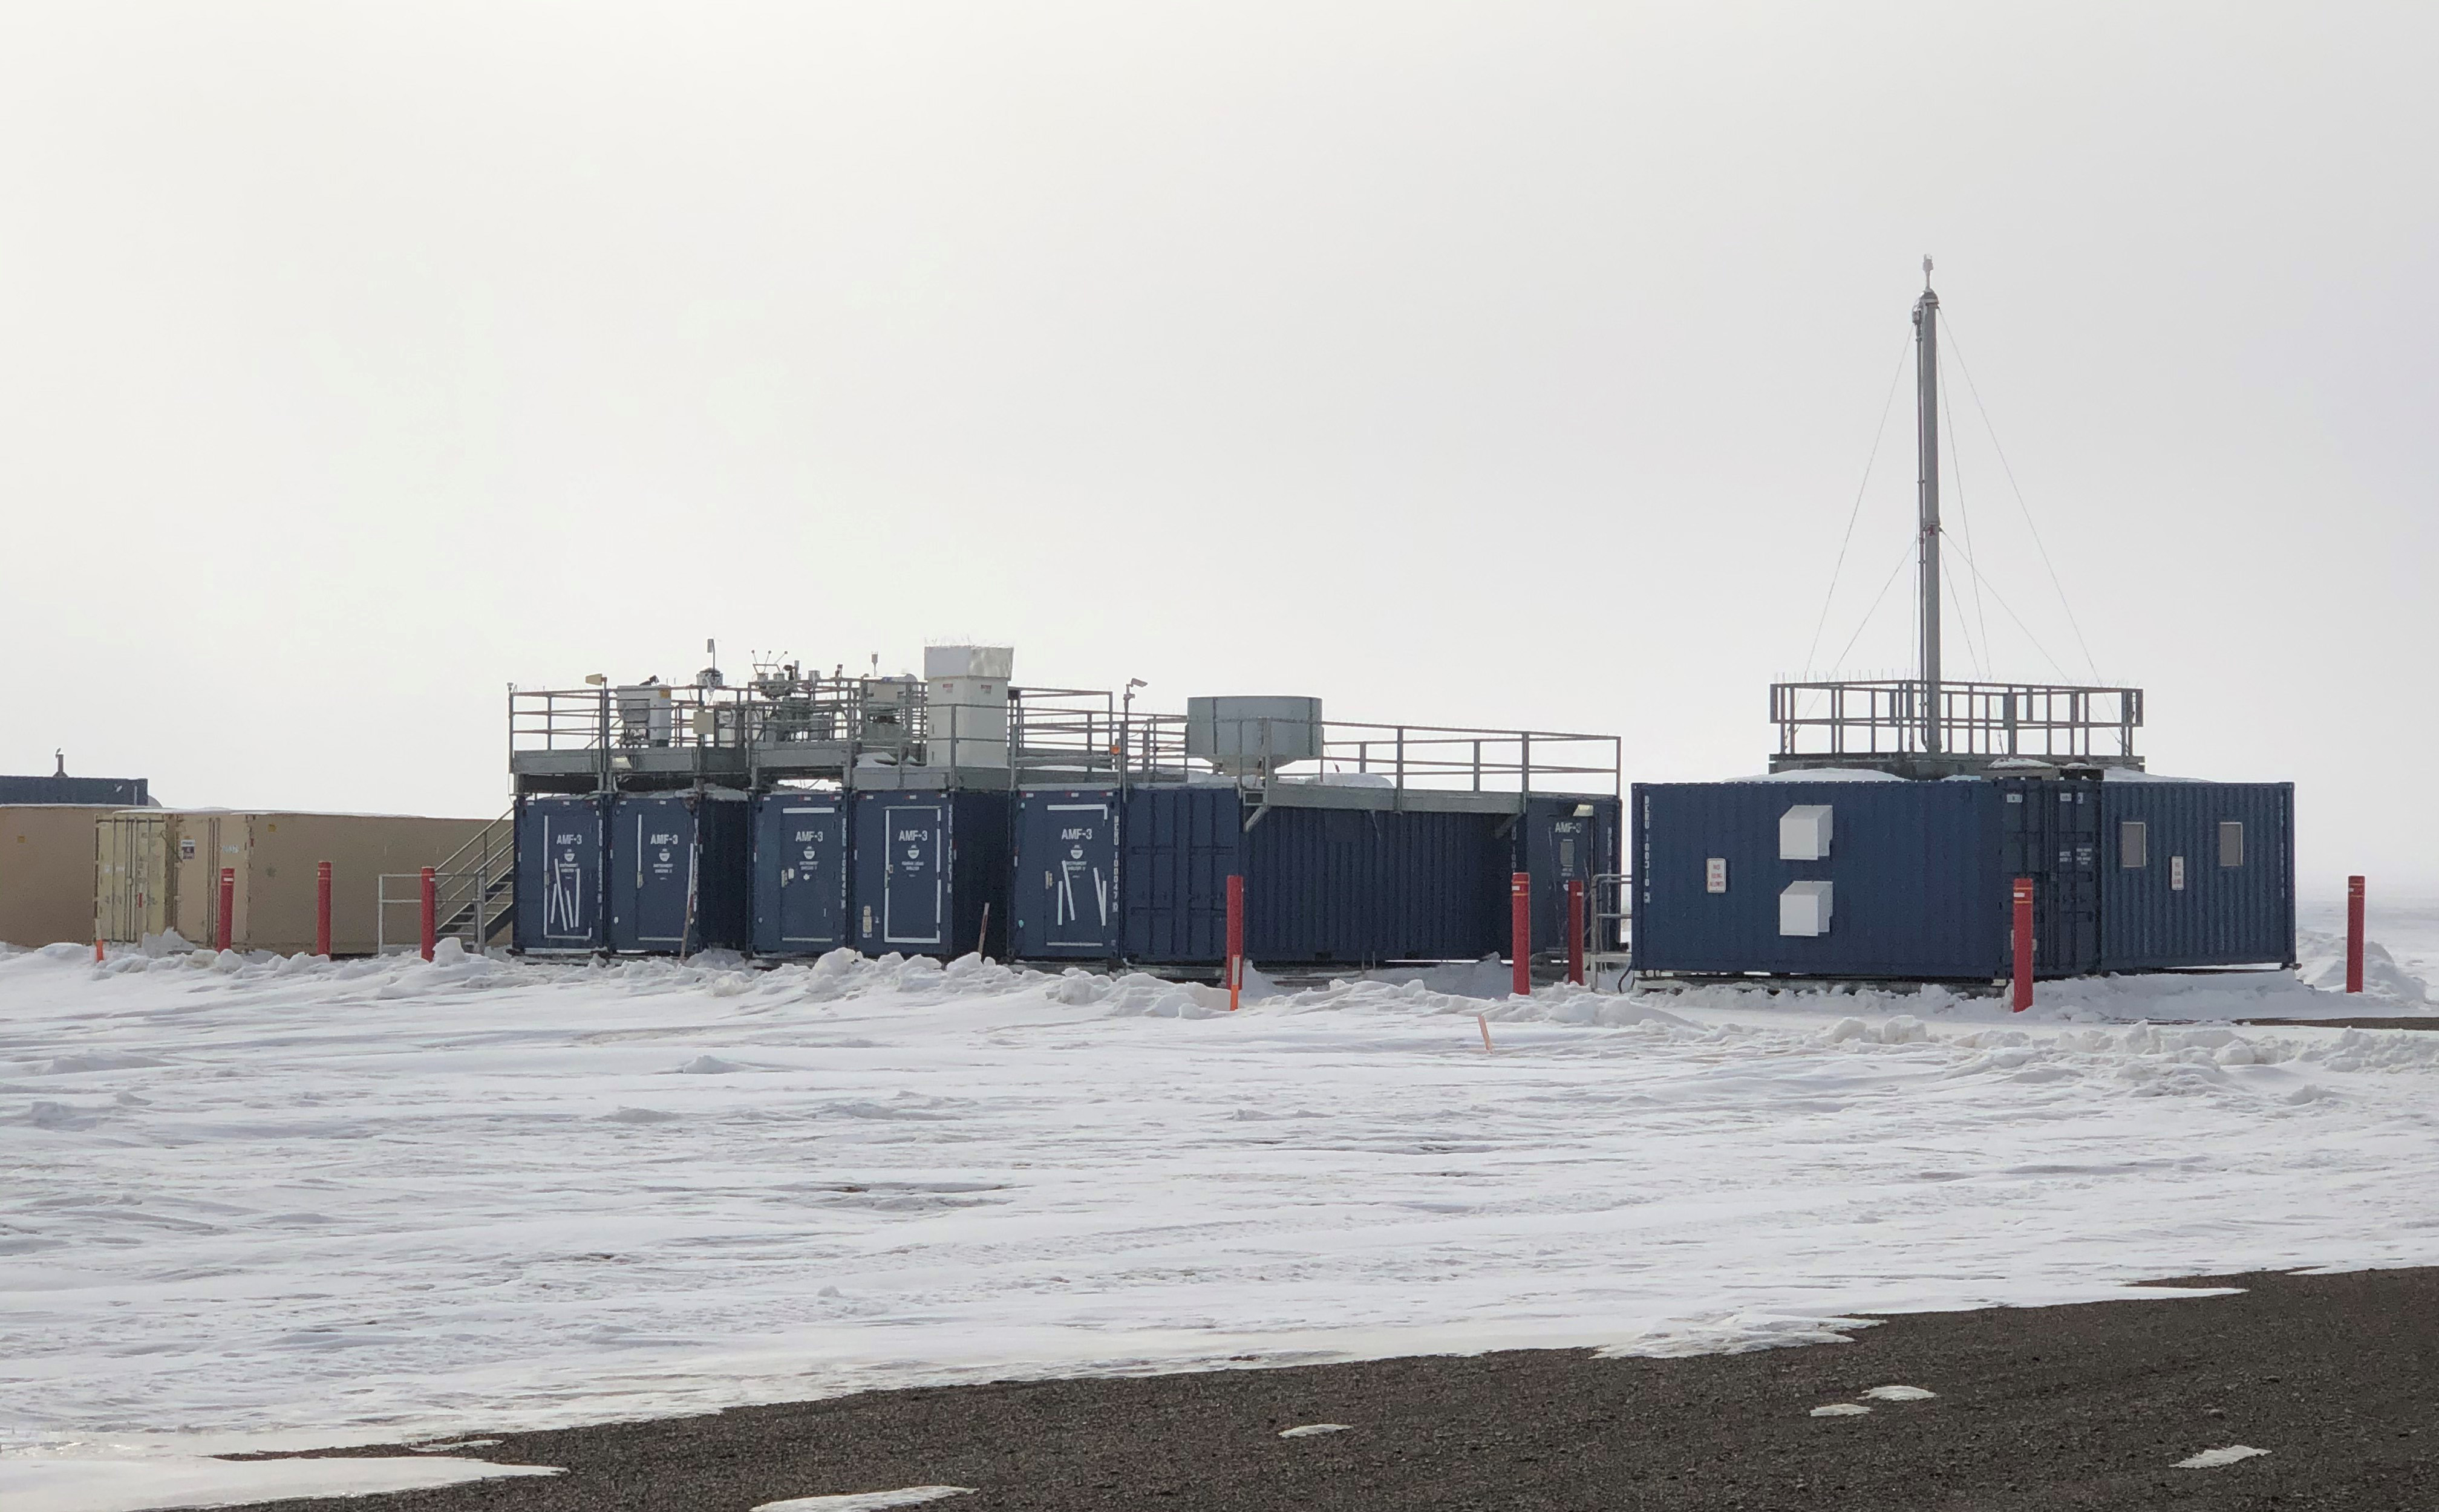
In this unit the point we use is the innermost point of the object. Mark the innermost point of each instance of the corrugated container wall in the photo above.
(931, 871)
(1912, 868)
(47, 873)
(88, 793)
(164, 866)
(1322, 886)
(2209, 879)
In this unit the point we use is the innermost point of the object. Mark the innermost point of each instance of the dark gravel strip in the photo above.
(2041, 1408)
(2429, 1023)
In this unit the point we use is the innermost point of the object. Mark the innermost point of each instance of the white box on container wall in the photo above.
(1715, 874)
(1803, 833)
(1804, 909)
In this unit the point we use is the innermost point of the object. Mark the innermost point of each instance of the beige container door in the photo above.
(196, 860)
(134, 885)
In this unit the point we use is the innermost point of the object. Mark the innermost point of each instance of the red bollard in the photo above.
(1575, 930)
(1235, 940)
(2022, 932)
(228, 908)
(2353, 933)
(322, 908)
(431, 913)
(97, 949)
(1520, 909)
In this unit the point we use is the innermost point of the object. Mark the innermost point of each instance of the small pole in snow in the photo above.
(2022, 929)
(227, 928)
(983, 939)
(2353, 933)
(97, 949)
(1483, 1020)
(431, 913)
(1236, 939)
(1575, 930)
(322, 908)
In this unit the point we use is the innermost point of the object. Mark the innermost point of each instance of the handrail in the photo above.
(1897, 716)
(1044, 735)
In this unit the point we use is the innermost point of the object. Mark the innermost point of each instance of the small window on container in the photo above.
(2231, 842)
(2133, 845)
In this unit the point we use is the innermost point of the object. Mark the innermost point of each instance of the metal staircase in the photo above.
(474, 892)
(477, 885)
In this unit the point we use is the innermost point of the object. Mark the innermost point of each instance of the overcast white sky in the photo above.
(1477, 363)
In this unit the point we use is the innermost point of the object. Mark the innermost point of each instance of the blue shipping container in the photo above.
(560, 851)
(1912, 880)
(800, 873)
(677, 877)
(123, 793)
(1322, 886)
(931, 871)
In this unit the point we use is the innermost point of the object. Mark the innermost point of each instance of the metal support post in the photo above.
(1519, 921)
(1235, 966)
(2353, 933)
(2021, 931)
(1575, 930)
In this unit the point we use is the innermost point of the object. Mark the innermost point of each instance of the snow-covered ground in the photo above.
(277, 1202)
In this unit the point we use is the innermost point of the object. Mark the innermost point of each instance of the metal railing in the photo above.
(1610, 947)
(1450, 759)
(1263, 752)
(1894, 715)
(833, 725)
(646, 716)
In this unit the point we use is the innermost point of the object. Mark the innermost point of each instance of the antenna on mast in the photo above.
(1926, 360)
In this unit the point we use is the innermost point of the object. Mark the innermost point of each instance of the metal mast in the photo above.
(1926, 367)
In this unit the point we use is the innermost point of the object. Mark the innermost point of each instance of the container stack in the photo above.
(963, 812)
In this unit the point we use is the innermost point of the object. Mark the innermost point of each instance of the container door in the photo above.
(800, 876)
(654, 894)
(2074, 891)
(914, 882)
(1066, 901)
(2052, 832)
(559, 876)
(126, 897)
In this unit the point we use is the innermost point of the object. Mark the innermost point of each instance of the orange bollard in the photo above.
(1235, 940)
(2022, 929)
(2353, 933)
(1575, 930)
(1520, 922)
(96, 951)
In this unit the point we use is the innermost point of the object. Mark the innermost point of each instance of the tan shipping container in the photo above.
(46, 872)
(159, 869)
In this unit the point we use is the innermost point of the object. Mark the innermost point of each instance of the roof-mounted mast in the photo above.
(1926, 383)
(1924, 725)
